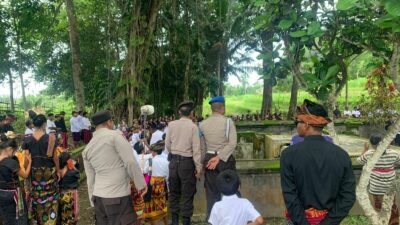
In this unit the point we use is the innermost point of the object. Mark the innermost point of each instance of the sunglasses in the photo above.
(296, 122)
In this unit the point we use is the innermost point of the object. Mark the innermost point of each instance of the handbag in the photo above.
(147, 196)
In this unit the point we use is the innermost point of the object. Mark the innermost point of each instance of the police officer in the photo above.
(183, 142)
(218, 140)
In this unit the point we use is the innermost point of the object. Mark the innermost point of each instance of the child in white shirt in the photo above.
(231, 209)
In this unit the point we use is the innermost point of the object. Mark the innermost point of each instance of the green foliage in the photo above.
(346, 4)
(241, 104)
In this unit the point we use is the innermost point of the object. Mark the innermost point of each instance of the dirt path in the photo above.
(86, 213)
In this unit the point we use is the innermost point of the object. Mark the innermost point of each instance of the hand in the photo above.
(28, 158)
(58, 175)
(143, 191)
(198, 175)
(213, 163)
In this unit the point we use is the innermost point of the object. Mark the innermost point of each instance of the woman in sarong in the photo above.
(12, 205)
(44, 193)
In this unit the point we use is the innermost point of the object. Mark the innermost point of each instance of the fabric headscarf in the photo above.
(313, 114)
(158, 147)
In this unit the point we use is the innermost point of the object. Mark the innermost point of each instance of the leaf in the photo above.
(393, 7)
(304, 39)
(285, 24)
(332, 72)
(346, 4)
(314, 28)
(309, 77)
(297, 34)
(259, 3)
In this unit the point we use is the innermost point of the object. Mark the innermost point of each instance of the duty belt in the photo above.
(213, 152)
(179, 157)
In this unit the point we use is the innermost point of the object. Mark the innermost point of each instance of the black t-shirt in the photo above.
(8, 173)
(70, 180)
(61, 124)
(5, 128)
(38, 150)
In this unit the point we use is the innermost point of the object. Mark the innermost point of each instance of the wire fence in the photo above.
(6, 107)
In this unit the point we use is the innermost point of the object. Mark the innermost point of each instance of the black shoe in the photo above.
(175, 219)
(186, 220)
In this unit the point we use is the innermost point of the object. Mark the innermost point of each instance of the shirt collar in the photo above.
(227, 197)
(217, 115)
(185, 118)
(314, 137)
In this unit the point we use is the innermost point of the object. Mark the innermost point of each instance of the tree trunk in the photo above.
(267, 98)
(362, 192)
(75, 55)
(21, 76)
(346, 97)
(267, 48)
(136, 60)
(11, 81)
(186, 78)
(219, 92)
(200, 99)
(330, 107)
(293, 99)
(394, 63)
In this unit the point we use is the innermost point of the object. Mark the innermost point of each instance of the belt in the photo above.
(213, 152)
(179, 157)
(382, 170)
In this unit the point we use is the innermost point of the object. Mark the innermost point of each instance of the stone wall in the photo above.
(263, 190)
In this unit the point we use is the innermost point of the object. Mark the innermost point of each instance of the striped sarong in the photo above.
(156, 209)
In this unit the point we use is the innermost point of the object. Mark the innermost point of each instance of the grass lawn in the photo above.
(241, 104)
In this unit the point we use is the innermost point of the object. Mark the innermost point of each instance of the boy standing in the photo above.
(232, 209)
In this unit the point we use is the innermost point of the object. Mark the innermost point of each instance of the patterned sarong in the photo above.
(69, 208)
(138, 204)
(156, 209)
(44, 196)
(314, 216)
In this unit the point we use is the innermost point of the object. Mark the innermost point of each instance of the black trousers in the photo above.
(114, 211)
(212, 193)
(182, 185)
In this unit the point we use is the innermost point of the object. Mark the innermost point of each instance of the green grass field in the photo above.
(241, 104)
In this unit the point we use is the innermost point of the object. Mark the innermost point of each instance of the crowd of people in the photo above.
(39, 180)
(140, 174)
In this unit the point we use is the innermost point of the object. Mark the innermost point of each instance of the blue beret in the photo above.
(219, 99)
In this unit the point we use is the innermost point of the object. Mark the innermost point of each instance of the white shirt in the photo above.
(142, 159)
(165, 153)
(50, 124)
(80, 121)
(157, 136)
(233, 210)
(356, 113)
(75, 125)
(347, 113)
(86, 123)
(135, 138)
(29, 131)
(159, 167)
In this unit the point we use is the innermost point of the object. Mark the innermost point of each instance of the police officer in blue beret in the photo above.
(218, 141)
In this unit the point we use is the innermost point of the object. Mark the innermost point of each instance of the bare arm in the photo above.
(25, 173)
(259, 221)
